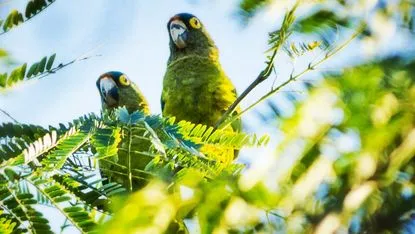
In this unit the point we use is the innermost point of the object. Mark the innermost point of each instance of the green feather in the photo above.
(132, 98)
(195, 87)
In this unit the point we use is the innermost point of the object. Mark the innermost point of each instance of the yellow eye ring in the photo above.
(124, 80)
(195, 23)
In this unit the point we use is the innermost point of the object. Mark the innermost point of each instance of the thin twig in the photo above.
(61, 66)
(276, 215)
(65, 225)
(8, 115)
(264, 74)
(261, 77)
(55, 69)
(275, 79)
(292, 78)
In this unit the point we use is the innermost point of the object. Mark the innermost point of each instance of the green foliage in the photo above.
(106, 142)
(56, 151)
(60, 163)
(203, 134)
(38, 69)
(278, 37)
(249, 8)
(59, 197)
(302, 48)
(23, 149)
(66, 147)
(361, 180)
(17, 206)
(150, 145)
(321, 20)
(370, 184)
(17, 137)
(322, 186)
(92, 193)
(6, 225)
(14, 18)
(3, 53)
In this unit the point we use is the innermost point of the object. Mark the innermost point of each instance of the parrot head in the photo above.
(187, 32)
(116, 90)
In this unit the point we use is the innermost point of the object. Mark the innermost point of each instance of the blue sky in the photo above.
(131, 36)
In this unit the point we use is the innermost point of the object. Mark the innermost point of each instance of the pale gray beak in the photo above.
(109, 91)
(179, 33)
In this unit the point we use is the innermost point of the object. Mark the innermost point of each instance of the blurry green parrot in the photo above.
(116, 90)
(195, 87)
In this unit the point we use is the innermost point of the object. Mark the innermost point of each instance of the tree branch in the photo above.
(261, 77)
(223, 124)
(61, 66)
(27, 19)
(282, 35)
(8, 115)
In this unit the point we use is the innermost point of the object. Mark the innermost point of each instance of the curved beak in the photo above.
(109, 91)
(179, 33)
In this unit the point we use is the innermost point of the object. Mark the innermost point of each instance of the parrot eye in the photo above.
(195, 23)
(124, 81)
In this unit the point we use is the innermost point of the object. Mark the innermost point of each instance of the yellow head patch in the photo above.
(124, 81)
(195, 23)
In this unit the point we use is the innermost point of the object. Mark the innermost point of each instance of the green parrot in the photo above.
(116, 90)
(195, 87)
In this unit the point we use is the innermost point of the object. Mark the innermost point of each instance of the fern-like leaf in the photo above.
(17, 205)
(30, 131)
(89, 192)
(36, 70)
(15, 17)
(59, 197)
(202, 134)
(80, 128)
(70, 143)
